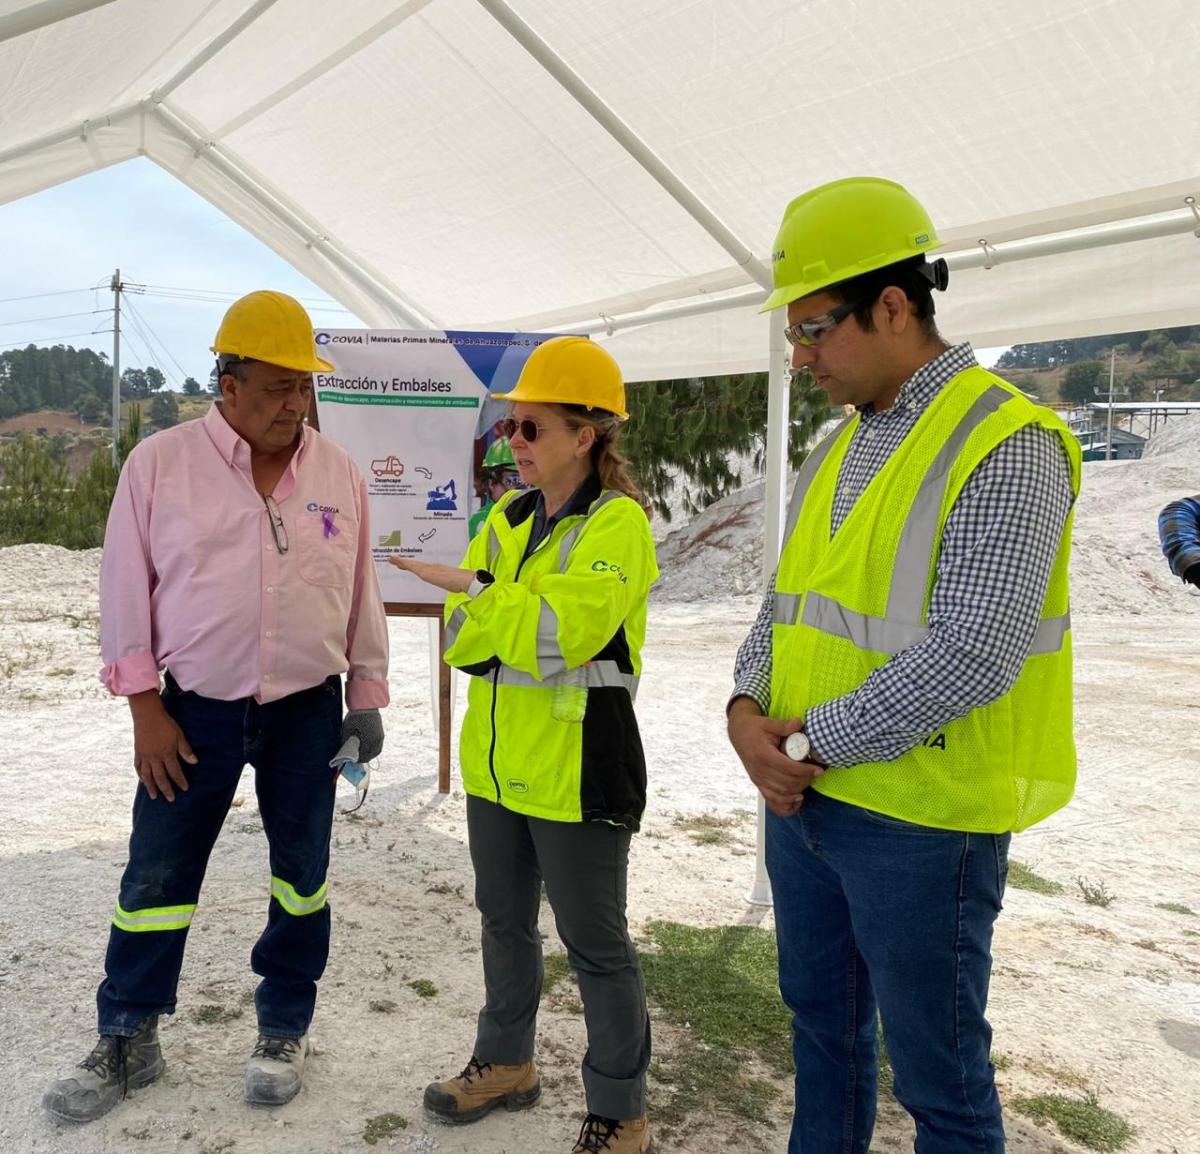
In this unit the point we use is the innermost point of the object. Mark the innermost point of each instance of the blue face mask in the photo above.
(347, 765)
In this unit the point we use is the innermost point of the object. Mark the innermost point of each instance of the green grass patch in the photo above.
(556, 970)
(1175, 908)
(1021, 877)
(707, 828)
(383, 1126)
(423, 988)
(722, 982)
(1082, 1119)
(698, 1076)
(211, 1015)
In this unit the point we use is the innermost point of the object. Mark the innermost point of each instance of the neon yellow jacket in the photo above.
(554, 650)
(844, 605)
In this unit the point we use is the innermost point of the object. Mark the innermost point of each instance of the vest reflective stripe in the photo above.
(901, 627)
(296, 904)
(549, 655)
(906, 598)
(882, 635)
(158, 918)
(493, 546)
(597, 675)
(572, 534)
(808, 470)
(457, 620)
(785, 608)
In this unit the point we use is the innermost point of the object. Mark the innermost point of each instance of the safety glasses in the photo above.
(811, 331)
(529, 429)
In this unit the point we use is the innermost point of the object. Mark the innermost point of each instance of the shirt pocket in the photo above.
(326, 550)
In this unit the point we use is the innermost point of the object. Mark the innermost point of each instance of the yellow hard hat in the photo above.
(842, 230)
(271, 327)
(571, 371)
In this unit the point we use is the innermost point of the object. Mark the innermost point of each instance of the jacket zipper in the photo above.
(495, 682)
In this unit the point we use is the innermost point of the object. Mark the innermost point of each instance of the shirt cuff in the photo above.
(364, 694)
(758, 694)
(129, 675)
(831, 743)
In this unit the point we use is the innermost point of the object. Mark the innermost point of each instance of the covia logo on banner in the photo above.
(342, 339)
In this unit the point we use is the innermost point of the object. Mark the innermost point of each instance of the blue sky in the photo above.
(67, 241)
(136, 217)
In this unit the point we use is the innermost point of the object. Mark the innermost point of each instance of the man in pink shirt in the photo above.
(237, 561)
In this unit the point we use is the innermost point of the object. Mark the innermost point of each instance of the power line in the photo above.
(56, 317)
(143, 323)
(40, 296)
(51, 340)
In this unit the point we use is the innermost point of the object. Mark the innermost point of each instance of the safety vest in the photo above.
(846, 603)
(554, 650)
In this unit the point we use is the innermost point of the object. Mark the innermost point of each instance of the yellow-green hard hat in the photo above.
(499, 455)
(842, 230)
(571, 371)
(271, 327)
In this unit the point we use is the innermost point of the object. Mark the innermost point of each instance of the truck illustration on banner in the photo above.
(387, 467)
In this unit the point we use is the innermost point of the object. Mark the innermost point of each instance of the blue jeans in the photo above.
(289, 742)
(879, 916)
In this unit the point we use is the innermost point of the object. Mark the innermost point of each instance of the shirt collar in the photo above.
(226, 438)
(918, 392)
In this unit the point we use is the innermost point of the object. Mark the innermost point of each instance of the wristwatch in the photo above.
(797, 747)
(482, 580)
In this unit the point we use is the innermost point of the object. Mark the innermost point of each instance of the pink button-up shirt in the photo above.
(192, 581)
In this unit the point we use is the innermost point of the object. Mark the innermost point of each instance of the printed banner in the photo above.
(413, 409)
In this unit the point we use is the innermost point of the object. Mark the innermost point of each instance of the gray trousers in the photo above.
(584, 865)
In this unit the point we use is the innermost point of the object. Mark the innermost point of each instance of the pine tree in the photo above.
(687, 431)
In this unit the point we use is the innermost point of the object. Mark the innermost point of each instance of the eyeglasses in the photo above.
(809, 332)
(278, 528)
(529, 429)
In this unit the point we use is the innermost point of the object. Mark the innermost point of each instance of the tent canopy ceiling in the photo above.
(430, 161)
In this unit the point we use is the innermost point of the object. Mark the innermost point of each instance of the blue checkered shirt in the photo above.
(998, 547)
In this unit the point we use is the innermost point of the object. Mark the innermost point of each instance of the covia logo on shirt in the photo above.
(313, 507)
(608, 567)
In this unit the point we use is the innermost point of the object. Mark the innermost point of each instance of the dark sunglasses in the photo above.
(529, 429)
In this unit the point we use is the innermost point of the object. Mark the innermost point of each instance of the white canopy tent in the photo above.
(599, 165)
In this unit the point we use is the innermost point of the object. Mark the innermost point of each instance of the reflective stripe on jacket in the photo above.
(554, 650)
(846, 603)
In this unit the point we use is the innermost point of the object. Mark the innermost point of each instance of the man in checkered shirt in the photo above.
(873, 911)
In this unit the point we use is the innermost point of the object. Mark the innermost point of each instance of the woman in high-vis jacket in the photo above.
(548, 616)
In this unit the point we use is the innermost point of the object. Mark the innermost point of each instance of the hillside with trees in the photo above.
(1163, 363)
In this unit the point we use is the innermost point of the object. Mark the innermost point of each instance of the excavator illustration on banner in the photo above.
(444, 497)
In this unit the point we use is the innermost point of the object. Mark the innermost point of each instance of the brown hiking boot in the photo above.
(482, 1087)
(610, 1136)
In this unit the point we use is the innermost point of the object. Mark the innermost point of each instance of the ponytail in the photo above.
(609, 463)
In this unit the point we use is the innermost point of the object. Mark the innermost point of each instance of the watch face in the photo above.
(797, 747)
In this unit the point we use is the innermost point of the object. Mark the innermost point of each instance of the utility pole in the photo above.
(116, 365)
(1112, 367)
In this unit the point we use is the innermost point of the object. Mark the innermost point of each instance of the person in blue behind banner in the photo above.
(548, 616)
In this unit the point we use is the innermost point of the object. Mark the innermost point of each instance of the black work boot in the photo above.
(114, 1067)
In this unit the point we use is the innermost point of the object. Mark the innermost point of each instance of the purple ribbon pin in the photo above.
(327, 525)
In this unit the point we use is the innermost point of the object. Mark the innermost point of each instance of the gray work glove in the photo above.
(367, 726)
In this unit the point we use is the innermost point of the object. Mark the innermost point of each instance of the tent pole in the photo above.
(569, 79)
(270, 200)
(35, 16)
(775, 505)
(1008, 252)
(211, 49)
